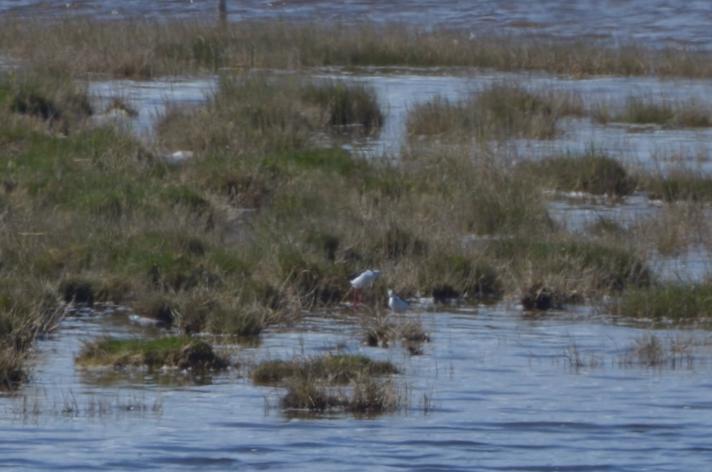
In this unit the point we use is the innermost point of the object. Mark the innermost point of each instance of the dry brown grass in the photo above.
(27, 310)
(689, 113)
(148, 49)
(310, 384)
(497, 112)
(676, 228)
(591, 172)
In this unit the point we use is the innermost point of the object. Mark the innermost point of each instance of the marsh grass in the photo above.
(383, 331)
(12, 372)
(497, 112)
(277, 113)
(55, 100)
(310, 384)
(685, 303)
(366, 397)
(649, 110)
(95, 211)
(678, 184)
(170, 351)
(569, 268)
(151, 48)
(27, 311)
(346, 105)
(333, 369)
(592, 172)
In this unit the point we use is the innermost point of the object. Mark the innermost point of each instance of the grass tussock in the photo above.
(500, 111)
(280, 113)
(56, 101)
(346, 106)
(367, 397)
(151, 48)
(676, 302)
(678, 185)
(563, 270)
(310, 384)
(648, 110)
(381, 331)
(592, 173)
(335, 369)
(27, 310)
(172, 351)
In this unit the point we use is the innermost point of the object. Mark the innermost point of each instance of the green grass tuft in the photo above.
(171, 351)
(592, 173)
(337, 369)
(677, 302)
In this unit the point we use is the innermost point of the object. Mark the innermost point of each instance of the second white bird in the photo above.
(396, 303)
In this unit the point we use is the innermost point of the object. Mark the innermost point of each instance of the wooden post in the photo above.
(222, 10)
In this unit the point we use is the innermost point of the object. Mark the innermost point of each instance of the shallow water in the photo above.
(653, 149)
(399, 91)
(578, 212)
(148, 98)
(502, 395)
(653, 22)
(694, 264)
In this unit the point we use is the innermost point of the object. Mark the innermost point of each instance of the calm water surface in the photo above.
(503, 395)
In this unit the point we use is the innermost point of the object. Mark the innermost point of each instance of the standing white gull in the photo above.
(364, 280)
(396, 303)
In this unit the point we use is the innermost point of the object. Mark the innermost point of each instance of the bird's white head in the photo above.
(390, 292)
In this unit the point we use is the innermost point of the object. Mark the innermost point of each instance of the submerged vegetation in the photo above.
(650, 350)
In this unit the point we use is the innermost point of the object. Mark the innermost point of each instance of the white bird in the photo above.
(364, 280)
(396, 303)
